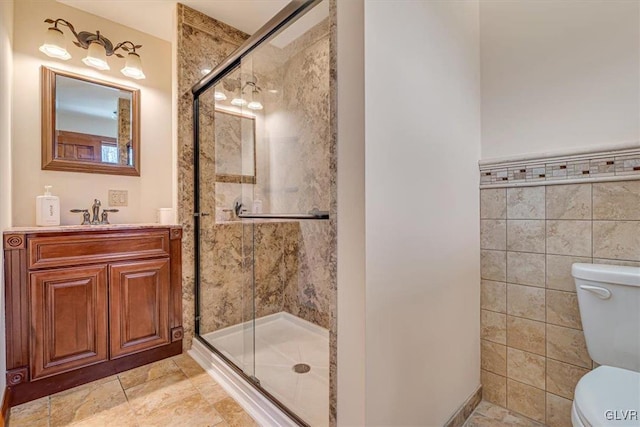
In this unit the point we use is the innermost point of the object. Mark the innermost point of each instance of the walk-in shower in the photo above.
(263, 234)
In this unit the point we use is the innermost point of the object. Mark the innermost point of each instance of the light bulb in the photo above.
(238, 102)
(133, 67)
(255, 105)
(219, 96)
(54, 44)
(96, 57)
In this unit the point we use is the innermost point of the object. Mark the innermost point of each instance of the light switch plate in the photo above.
(118, 198)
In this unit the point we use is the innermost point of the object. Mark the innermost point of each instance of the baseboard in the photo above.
(5, 411)
(461, 415)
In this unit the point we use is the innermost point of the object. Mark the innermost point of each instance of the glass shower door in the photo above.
(226, 293)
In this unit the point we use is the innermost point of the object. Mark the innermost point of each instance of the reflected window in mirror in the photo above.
(89, 125)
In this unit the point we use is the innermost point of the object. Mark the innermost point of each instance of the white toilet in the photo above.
(609, 300)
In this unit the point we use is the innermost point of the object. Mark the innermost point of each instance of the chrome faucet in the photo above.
(97, 218)
(96, 211)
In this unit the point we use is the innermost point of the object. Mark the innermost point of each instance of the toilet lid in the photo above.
(609, 396)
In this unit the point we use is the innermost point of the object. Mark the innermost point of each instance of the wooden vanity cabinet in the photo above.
(86, 304)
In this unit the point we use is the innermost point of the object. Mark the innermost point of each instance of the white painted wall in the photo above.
(559, 75)
(153, 189)
(351, 214)
(422, 90)
(86, 123)
(6, 73)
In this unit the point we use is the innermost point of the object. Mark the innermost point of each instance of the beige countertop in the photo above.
(71, 228)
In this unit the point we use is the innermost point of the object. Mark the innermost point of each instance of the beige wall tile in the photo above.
(567, 345)
(527, 368)
(527, 335)
(493, 296)
(525, 268)
(562, 309)
(559, 271)
(493, 203)
(562, 378)
(558, 411)
(493, 265)
(493, 357)
(525, 235)
(616, 240)
(525, 301)
(493, 326)
(525, 203)
(494, 388)
(493, 234)
(616, 200)
(568, 201)
(569, 237)
(527, 400)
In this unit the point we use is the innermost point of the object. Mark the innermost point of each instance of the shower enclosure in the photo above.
(263, 240)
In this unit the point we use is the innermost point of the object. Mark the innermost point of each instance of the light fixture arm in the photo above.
(127, 46)
(85, 38)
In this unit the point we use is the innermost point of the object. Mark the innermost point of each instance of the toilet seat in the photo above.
(607, 396)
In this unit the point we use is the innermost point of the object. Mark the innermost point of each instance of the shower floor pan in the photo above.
(291, 361)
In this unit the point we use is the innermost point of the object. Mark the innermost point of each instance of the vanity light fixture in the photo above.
(98, 48)
(255, 105)
(219, 96)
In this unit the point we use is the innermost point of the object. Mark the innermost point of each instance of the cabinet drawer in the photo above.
(90, 248)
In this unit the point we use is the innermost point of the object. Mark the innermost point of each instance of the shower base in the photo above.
(283, 343)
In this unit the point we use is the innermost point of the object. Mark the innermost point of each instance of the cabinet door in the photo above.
(68, 319)
(139, 306)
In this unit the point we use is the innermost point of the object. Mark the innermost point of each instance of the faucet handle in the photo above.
(105, 215)
(86, 217)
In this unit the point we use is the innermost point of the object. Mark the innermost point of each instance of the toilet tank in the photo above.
(609, 299)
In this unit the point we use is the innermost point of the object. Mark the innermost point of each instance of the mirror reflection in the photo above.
(93, 122)
(235, 147)
(89, 125)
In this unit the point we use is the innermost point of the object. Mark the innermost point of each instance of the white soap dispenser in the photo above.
(47, 208)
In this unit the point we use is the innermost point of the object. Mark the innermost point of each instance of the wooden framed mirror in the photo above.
(89, 125)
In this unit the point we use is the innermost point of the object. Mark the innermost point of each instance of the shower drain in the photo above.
(301, 368)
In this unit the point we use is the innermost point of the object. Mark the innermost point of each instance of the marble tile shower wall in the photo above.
(202, 42)
(533, 348)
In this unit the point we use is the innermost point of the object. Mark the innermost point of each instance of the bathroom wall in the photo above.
(533, 347)
(6, 74)
(349, 47)
(153, 189)
(422, 115)
(558, 75)
(202, 43)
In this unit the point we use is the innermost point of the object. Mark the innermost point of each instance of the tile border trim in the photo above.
(460, 416)
(617, 163)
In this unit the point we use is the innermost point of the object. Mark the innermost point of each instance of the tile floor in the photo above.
(281, 341)
(489, 415)
(175, 391)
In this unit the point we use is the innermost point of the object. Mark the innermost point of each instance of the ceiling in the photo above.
(155, 17)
